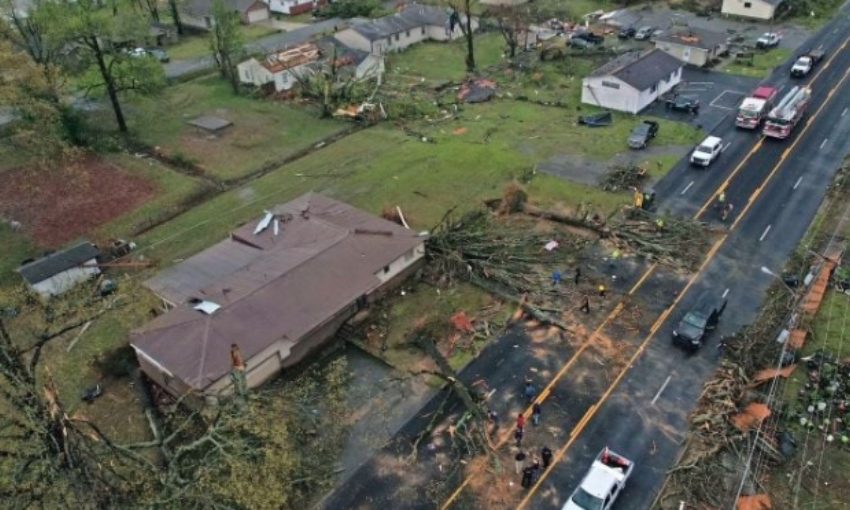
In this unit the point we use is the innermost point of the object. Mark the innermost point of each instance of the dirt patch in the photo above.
(590, 171)
(55, 206)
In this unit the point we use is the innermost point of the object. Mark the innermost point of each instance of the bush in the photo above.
(352, 9)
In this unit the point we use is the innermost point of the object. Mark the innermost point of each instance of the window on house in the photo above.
(653, 88)
(396, 37)
(407, 34)
(611, 85)
(386, 269)
(747, 5)
(423, 30)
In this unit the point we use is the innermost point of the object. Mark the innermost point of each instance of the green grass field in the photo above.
(445, 61)
(762, 65)
(193, 46)
(263, 130)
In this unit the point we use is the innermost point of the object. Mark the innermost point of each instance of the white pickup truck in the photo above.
(602, 484)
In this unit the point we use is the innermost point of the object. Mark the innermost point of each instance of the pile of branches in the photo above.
(673, 241)
(623, 178)
(505, 260)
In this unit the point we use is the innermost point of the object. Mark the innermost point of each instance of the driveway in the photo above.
(267, 44)
(719, 95)
(665, 19)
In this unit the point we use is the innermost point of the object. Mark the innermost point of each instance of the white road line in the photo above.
(661, 390)
(844, 112)
(725, 293)
(797, 184)
(824, 142)
(687, 188)
(725, 147)
(764, 234)
(700, 83)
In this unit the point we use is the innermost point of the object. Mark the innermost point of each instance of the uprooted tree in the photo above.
(264, 451)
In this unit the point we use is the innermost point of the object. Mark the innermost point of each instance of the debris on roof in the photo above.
(208, 307)
(264, 223)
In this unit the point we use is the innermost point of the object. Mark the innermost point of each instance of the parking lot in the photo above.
(719, 95)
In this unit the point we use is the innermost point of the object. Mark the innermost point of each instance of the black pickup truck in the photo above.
(702, 318)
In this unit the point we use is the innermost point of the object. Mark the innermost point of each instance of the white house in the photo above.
(632, 81)
(58, 272)
(282, 68)
(693, 45)
(295, 7)
(756, 9)
(416, 23)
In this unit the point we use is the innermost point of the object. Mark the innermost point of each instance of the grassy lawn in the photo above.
(383, 166)
(437, 61)
(823, 11)
(192, 46)
(262, 131)
(763, 63)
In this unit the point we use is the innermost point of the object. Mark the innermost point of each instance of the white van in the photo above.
(707, 151)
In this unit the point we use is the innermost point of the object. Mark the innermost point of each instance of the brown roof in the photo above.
(270, 287)
(292, 57)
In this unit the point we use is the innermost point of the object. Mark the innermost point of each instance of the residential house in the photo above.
(414, 24)
(295, 7)
(756, 9)
(61, 270)
(693, 46)
(283, 68)
(279, 289)
(199, 13)
(632, 81)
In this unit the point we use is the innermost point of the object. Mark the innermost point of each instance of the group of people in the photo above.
(531, 472)
(557, 278)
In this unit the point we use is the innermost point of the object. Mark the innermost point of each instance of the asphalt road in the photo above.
(645, 417)
(640, 411)
(267, 44)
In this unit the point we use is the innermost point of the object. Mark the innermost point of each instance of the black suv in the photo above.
(683, 103)
(589, 37)
(701, 319)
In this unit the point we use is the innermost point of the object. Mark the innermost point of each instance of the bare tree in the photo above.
(512, 20)
(461, 16)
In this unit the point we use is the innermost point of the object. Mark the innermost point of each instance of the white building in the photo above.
(693, 45)
(295, 7)
(282, 68)
(632, 81)
(58, 272)
(756, 9)
(414, 24)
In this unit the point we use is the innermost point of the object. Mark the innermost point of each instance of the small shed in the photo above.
(755, 9)
(693, 45)
(61, 270)
(210, 123)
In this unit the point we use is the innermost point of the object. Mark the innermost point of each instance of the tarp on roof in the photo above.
(271, 288)
(62, 260)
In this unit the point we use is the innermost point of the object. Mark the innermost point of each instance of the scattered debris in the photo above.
(477, 91)
(596, 120)
(769, 373)
(751, 416)
(460, 131)
(461, 322)
(671, 240)
(623, 178)
(756, 502)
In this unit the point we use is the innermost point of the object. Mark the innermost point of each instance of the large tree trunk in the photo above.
(175, 16)
(470, 50)
(111, 89)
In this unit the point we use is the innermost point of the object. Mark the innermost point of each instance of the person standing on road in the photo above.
(556, 278)
(527, 475)
(721, 348)
(601, 290)
(577, 275)
(494, 421)
(520, 421)
(535, 414)
(519, 460)
(535, 468)
(546, 453)
(529, 390)
(518, 437)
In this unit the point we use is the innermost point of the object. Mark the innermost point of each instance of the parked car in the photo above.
(768, 40)
(157, 53)
(707, 151)
(580, 43)
(683, 103)
(589, 37)
(642, 134)
(627, 33)
(702, 318)
(644, 33)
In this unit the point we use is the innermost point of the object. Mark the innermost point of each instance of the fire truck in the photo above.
(787, 113)
(754, 108)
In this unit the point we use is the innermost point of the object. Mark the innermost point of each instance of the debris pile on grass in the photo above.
(823, 402)
(624, 177)
(667, 239)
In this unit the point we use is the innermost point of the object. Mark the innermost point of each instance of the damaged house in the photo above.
(278, 288)
(283, 69)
